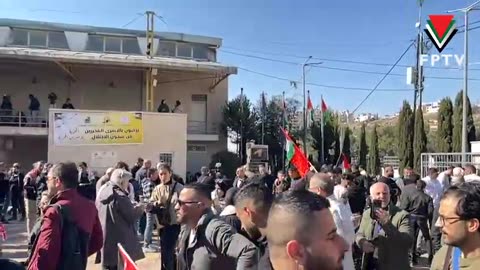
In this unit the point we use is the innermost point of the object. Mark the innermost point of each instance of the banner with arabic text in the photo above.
(95, 128)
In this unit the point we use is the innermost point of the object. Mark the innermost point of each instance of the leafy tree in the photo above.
(362, 152)
(445, 126)
(373, 157)
(405, 137)
(230, 162)
(237, 115)
(457, 120)
(273, 136)
(419, 140)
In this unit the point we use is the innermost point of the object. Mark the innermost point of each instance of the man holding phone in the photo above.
(384, 235)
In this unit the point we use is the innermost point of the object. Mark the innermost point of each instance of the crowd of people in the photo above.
(329, 220)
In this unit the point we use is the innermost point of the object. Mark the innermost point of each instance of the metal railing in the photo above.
(442, 161)
(202, 127)
(9, 118)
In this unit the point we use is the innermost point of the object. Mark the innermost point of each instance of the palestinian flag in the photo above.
(310, 109)
(324, 106)
(345, 163)
(124, 260)
(295, 156)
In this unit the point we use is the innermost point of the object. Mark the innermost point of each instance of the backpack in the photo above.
(75, 242)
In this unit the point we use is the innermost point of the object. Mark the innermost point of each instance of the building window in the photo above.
(130, 46)
(38, 39)
(196, 148)
(199, 97)
(113, 45)
(166, 49)
(200, 52)
(95, 43)
(166, 158)
(57, 40)
(184, 50)
(20, 37)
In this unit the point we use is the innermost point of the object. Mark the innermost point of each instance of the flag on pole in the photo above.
(124, 260)
(345, 163)
(295, 156)
(324, 106)
(310, 108)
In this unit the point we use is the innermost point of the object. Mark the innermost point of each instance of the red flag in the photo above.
(324, 106)
(124, 260)
(295, 156)
(346, 164)
(3, 232)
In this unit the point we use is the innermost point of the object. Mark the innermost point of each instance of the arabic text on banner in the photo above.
(94, 128)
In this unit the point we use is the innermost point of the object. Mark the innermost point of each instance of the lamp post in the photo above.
(466, 11)
(306, 64)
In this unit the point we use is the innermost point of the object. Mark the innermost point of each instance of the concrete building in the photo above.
(365, 117)
(431, 107)
(108, 69)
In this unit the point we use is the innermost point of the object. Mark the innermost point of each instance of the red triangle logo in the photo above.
(441, 23)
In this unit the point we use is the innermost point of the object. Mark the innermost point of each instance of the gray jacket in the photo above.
(216, 247)
(118, 216)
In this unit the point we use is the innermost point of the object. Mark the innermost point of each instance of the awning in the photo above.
(93, 58)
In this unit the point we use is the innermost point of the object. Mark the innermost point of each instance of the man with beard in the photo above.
(252, 203)
(207, 242)
(384, 234)
(392, 185)
(459, 219)
(301, 233)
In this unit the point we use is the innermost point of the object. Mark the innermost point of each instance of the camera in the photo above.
(375, 205)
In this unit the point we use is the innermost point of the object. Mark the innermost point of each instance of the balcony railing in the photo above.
(10, 118)
(202, 127)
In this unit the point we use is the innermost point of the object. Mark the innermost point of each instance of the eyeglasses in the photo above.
(182, 203)
(441, 221)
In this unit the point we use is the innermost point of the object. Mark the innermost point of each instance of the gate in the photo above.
(442, 161)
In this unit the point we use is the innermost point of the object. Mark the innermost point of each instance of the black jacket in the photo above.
(416, 202)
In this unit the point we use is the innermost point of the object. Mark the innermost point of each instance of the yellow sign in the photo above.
(94, 128)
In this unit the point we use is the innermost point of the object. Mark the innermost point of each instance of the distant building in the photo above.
(365, 117)
(431, 107)
(346, 116)
(433, 124)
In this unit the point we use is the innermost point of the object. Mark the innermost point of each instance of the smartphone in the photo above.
(376, 204)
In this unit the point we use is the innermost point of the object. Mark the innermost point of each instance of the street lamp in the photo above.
(466, 11)
(306, 64)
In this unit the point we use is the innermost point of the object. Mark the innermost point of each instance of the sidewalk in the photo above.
(16, 248)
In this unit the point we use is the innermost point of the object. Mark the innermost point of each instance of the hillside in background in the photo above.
(387, 132)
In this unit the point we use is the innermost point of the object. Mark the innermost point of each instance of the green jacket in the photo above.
(393, 242)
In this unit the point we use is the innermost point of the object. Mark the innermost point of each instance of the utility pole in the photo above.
(418, 67)
(241, 124)
(466, 11)
(149, 75)
(305, 103)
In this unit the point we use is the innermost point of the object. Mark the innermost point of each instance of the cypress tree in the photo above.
(457, 120)
(362, 153)
(373, 157)
(445, 126)
(419, 140)
(405, 137)
(347, 144)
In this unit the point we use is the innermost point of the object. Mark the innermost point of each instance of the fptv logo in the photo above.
(441, 29)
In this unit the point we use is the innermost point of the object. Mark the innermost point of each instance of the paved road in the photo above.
(16, 248)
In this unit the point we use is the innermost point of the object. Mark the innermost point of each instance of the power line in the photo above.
(319, 59)
(384, 77)
(134, 20)
(323, 85)
(346, 69)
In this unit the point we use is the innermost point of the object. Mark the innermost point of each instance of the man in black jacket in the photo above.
(252, 203)
(207, 241)
(420, 206)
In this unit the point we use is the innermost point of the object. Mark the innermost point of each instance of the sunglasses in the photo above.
(182, 203)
